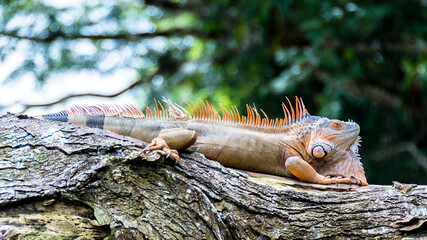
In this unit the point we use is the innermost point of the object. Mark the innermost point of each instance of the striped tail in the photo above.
(93, 116)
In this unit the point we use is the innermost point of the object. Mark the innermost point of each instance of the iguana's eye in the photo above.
(336, 124)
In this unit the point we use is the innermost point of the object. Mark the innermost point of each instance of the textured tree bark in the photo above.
(60, 180)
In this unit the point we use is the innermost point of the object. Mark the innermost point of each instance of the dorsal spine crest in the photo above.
(199, 111)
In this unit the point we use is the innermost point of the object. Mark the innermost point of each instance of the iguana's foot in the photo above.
(339, 179)
(160, 144)
(304, 171)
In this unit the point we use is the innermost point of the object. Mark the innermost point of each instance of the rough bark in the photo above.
(60, 180)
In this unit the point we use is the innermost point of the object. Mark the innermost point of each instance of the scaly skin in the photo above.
(313, 149)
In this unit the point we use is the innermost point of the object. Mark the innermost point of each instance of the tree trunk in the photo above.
(60, 180)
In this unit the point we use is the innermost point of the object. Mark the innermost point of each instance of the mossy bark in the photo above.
(62, 181)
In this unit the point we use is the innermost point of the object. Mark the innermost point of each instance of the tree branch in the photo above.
(132, 197)
(169, 5)
(133, 85)
(408, 47)
(409, 147)
(418, 48)
(52, 36)
(367, 91)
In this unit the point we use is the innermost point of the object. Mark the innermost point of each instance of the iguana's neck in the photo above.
(296, 138)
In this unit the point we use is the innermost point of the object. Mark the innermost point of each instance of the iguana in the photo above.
(311, 148)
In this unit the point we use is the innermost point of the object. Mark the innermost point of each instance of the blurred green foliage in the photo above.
(364, 60)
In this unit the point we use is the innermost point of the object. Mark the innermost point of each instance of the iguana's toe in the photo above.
(172, 153)
(337, 179)
(160, 144)
(341, 179)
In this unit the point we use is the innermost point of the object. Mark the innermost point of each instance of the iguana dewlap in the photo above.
(311, 148)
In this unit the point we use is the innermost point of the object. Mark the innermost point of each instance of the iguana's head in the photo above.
(336, 142)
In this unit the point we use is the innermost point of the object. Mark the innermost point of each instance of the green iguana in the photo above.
(313, 149)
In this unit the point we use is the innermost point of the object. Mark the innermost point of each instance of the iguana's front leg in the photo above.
(168, 140)
(304, 171)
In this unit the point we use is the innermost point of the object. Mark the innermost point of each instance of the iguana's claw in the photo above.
(340, 179)
(160, 144)
(172, 154)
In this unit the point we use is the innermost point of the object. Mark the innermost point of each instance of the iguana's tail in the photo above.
(116, 118)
